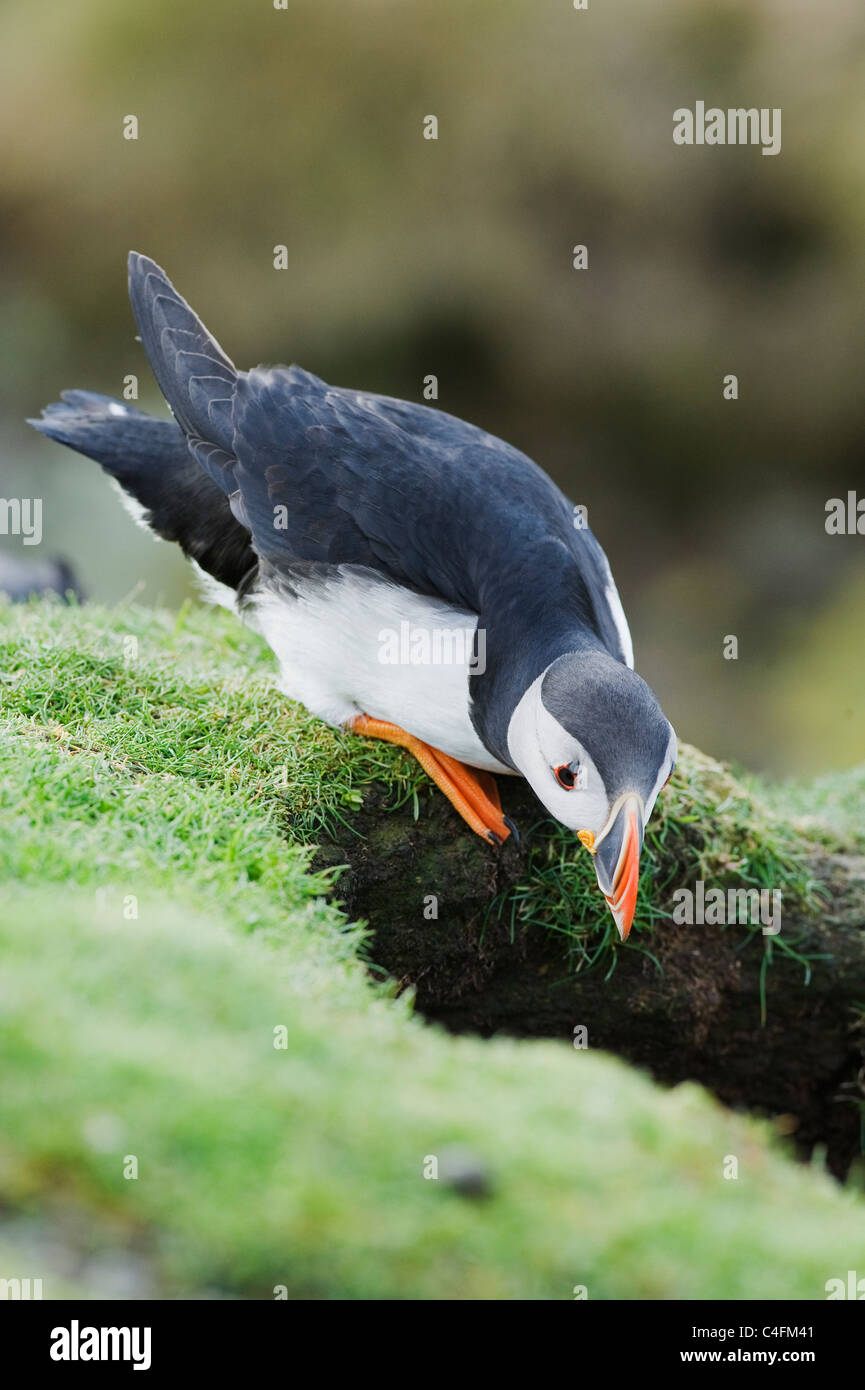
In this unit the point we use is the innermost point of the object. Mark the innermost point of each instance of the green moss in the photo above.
(157, 925)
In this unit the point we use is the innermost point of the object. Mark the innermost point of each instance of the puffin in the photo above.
(331, 519)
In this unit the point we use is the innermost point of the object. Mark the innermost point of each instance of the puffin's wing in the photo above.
(195, 376)
(316, 475)
(340, 476)
(326, 475)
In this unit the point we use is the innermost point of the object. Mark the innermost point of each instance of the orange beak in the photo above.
(617, 861)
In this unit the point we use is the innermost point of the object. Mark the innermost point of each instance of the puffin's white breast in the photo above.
(354, 643)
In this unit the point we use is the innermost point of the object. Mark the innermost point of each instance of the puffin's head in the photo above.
(594, 744)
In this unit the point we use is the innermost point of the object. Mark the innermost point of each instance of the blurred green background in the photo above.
(410, 257)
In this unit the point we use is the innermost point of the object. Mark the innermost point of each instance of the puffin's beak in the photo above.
(617, 861)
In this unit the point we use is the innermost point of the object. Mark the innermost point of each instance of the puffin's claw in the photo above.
(513, 829)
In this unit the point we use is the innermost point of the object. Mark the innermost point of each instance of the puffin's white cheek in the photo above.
(575, 809)
(583, 816)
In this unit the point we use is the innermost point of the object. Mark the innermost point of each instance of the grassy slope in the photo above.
(154, 775)
(829, 808)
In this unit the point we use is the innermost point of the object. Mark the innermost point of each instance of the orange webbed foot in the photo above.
(472, 792)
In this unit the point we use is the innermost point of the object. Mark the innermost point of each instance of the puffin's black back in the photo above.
(320, 475)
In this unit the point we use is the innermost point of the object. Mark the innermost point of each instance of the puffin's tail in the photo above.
(151, 461)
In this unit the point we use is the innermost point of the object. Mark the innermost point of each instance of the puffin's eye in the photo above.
(567, 774)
